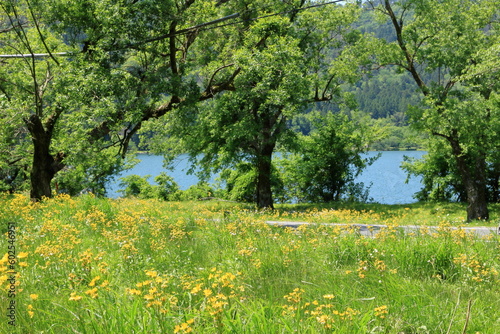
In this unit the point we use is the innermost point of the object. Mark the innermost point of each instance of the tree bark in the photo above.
(264, 192)
(44, 165)
(477, 204)
(473, 174)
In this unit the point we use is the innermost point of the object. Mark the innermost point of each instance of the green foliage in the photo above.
(199, 191)
(397, 137)
(167, 188)
(449, 39)
(239, 92)
(136, 186)
(62, 114)
(164, 188)
(387, 94)
(277, 65)
(440, 178)
(240, 183)
(328, 161)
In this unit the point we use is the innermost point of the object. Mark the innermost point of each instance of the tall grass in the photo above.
(90, 265)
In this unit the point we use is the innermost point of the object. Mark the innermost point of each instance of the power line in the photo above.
(202, 26)
(36, 55)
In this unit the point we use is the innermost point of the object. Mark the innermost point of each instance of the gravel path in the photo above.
(372, 229)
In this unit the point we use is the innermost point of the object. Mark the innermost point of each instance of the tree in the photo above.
(247, 123)
(447, 38)
(124, 69)
(278, 62)
(440, 179)
(28, 95)
(52, 105)
(329, 160)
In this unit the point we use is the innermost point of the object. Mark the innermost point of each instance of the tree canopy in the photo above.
(232, 82)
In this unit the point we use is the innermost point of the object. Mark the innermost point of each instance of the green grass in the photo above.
(430, 214)
(90, 265)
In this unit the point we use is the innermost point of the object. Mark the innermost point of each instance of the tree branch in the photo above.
(212, 90)
(398, 26)
(40, 33)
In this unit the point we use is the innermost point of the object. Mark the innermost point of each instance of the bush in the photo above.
(136, 186)
(195, 192)
(167, 189)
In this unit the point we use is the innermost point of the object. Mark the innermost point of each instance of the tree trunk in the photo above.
(477, 204)
(264, 192)
(44, 165)
(476, 188)
(473, 173)
(41, 175)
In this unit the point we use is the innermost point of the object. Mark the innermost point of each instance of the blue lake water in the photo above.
(385, 177)
(388, 180)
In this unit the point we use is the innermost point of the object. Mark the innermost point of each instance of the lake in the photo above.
(385, 176)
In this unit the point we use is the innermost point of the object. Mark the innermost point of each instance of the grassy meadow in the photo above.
(92, 265)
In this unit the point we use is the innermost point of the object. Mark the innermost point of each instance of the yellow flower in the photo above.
(4, 259)
(381, 311)
(322, 319)
(34, 296)
(23, 264)
(95, 279)
(141, 284)
(328, 296)
(184, 327)
(92, 293)
(149, 297)
(22, 255)
(196, 289)
(74, 296)
(133, 291)
(151, 273)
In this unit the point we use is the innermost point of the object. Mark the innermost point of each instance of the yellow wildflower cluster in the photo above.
(381, 311)
(364, 266)
(95, 285)
(325, 312)
(6, 273)
(94, 218)
(59, 237)
(185, 327)
(388, 233)
(362, 269)
(31, 310)
(475, 269)
(74, 249)
(209, 295)
(342, 215)
(246, 247)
